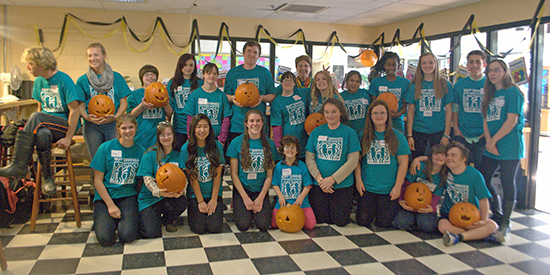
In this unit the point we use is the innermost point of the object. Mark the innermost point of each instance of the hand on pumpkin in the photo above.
(258, 103)
(282, 201)
(234, 101)
(107, 119)
(211, 206)
(94, 119)
(405, 206)
(395, 192)
(166, 194)
(326, 185)
(146, 105)
(360, 186)
(114, 211)
(477, 224)
(203, 207)
(427, 209)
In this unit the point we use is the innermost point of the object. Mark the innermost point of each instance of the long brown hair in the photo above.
(178, 78)
(490, 89)
(211, 151)
(369, 133)
(331, 91)
(440, 83)
(341, 107)
(246, 159)
(436, 149)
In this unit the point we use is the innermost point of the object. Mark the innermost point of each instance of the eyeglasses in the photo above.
(288, 80)
(290, 148)
(164, 123)
(379, 114)
(494, 70)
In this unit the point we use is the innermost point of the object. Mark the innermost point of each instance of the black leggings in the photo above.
(379, 206)
(332, 208)
(201, 223)
(244, 217)
(508, 171)
(422, 141)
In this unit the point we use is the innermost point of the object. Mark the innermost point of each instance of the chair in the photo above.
(66, 178)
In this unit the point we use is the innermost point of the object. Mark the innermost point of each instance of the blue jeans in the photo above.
(161, 213)
(95, 135)
(106, 227)
(426, 222)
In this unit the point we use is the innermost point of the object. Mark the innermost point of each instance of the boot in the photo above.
(48, 185)
(24, 145)
(507, 208)
(496, 208)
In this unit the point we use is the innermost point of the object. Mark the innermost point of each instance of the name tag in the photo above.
(364, 101)
(252, 176)
(203, 100)
(428, 113)
(54, 88)
(287, 172)
(296, 97)
(175, 163)
(382, 143)
(383, 89)
(116, 153)
(322, 138)
(180, 88)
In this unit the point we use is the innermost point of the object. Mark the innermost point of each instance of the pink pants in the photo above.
(310, 220)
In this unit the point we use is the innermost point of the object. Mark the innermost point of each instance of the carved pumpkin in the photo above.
(390, 99)
(418, 195)
(247, 94)
(290, 218)
(171, 178)
(368, 58)
(464, 214)
(313, 121)
(101, 105)
(156, 94)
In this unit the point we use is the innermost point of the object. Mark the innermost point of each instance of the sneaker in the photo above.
(496, 237)
(171, 227)
(450, 238)
(505, 229)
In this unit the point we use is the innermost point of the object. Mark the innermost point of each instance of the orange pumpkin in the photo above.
(418, 195)
(463, 214)
(101, 105)
(368, 58)
(390, 99)
(247, 94)
(157, 94)
(290, 218)
(171, 178)
(313, 121)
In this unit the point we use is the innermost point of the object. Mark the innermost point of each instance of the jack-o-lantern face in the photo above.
(156, 94)
(101, 105)
(313, 121)
(418, 195)
(390, 99)
(290, 218)
(171, 178)
(464, 214)
(247, 94)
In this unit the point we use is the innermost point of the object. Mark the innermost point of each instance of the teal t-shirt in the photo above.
(331, 149)
(357, 105)
(148, 120)
(292, 180)
(379, 167)
(119, 90)
(398, 87)
(253, 178)
(290, 113)
(469, 186)
(178, 100)
(214, 105)
(119, 165)
(55, 93)
(206, 182)
(429, 115)
(148, 167)
(259, 76)
(420, 176)
(468, 96)
(505, 102)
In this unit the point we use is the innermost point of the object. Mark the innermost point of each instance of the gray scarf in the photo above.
(104, 84)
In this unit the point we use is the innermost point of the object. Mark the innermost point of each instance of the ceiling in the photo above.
(352, 12)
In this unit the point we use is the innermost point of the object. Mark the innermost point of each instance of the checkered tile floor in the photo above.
(58, 247)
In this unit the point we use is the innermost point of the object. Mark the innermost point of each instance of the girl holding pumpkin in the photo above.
(184, 82)
(390, 83)
(203, 159)
(322, 88)
(292, 181)
(115, 203)
(147, 116)
(429, 98)
(252, 159)
(209, 100)
(332, 154)
(101, 80)
(433, 174)
(356, 100)
(157, 206)
(382, 168)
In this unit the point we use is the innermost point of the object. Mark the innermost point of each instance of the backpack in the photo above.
(15, 206)
(8, 133)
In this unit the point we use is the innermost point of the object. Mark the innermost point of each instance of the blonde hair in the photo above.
(330, 92)
(440, 83)
(39, 56)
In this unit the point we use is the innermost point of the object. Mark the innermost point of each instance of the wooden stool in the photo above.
(67, 180)
(3, 262)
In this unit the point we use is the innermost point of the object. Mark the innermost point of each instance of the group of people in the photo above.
(360, 155)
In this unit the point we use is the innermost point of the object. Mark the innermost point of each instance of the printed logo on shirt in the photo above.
(124, 171)
(181, 96)
(428, 102)
(254, 80)
(203, 167)
(396, 92)
(378, 153)
(257, 164)
(356, 108)
(51, 100)
(430, 184)
(495, 108)
(472, 99)
(456, 192)
(314, 108)
(330, 149)
(296, 112)
(291, 186)
(110, 94)
(210, 109)
(152, 114)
